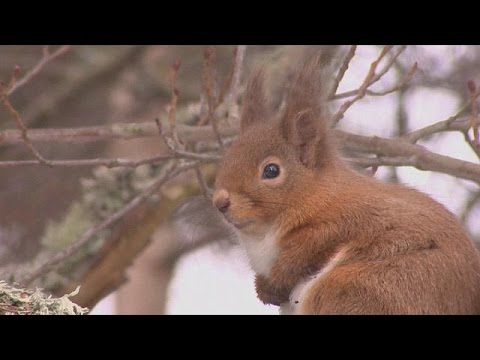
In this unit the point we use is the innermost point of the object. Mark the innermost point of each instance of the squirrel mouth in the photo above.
(238, 224)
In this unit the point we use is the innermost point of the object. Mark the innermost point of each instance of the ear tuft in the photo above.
(304, 122)
(255, 104)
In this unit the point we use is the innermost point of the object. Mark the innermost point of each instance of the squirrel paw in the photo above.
(268, 293)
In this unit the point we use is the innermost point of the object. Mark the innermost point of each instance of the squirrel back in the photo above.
(325, 239)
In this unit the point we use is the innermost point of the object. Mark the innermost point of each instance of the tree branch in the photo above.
(46, 58)
(20, 124)
(186, 133)
(470, 205)
(375, 145)
(92, 232)
(450, 124)
(232, 103)
(343, 69)
(369, 80)
(417, 156)
(110, 163)
(123, 131)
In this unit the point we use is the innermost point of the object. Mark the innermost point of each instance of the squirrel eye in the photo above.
(271, 171)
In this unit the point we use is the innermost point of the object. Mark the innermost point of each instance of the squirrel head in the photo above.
(270, 168)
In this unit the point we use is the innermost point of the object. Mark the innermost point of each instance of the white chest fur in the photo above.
(261, 252)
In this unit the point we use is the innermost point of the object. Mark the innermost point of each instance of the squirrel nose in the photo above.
(221, 200)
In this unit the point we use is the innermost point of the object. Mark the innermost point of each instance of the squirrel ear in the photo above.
(303, 123)
(255, 104)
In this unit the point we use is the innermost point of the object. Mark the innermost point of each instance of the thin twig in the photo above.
(418, 156)
(178, 152)
(124, 131)
(474, 116)
(369, 80)
(373, 170)
(214, 122)
(21, 125)
(389, 63)
(46, 58)
(401, 122)
(355, 92)
(90, 234)
(402, 84)
(168, 139)
(473, 145)
(201, 181)
(203, 113)
(375, 145)
(381, 161)
(209, 81)
(450, 123)
(228, 81)
(110, 163)
(470, 205)
(197, 156)
(343, 70)
(172, 109)
(232, 104)
(186, 133)
(209, 86)
(207, 91)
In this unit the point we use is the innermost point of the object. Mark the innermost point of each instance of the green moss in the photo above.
(59, 234)
(107, 191)
(135, 129)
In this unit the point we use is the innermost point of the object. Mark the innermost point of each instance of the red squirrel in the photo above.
(325, 239)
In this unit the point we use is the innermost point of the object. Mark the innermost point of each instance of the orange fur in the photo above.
(400, 251)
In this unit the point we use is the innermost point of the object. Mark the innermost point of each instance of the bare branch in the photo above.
(46, 58)
(197, 156)
(20, 124)
(386, 147)
(369, 80)
(375, 79)
(343, 69)
(446, 125)
(237, 72)
(214, 122)
(209, 83)
(381, 161)
(203, 184)
(418, 156)
(388, 65)
(228, 81)
(404, 82)
(470, 205)
(474, 123)
(90, 234)
(124, 131)
(110, 163)
(172, 109)
(209, 86)
(473, 145)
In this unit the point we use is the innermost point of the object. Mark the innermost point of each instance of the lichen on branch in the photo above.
(18, 301)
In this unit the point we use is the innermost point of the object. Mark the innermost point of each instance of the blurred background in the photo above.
(44, 209)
